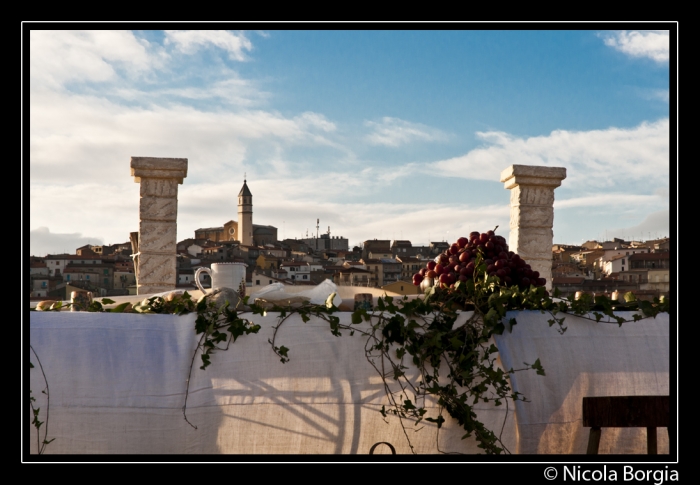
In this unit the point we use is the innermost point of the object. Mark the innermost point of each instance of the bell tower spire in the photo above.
(245, 215)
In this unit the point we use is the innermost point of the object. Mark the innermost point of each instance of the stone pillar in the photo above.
(157, 241)
(532, 214)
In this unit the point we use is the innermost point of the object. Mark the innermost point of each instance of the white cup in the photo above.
(224, 275)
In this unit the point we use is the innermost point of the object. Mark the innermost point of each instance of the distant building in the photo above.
(352, 276)
(326, 242)
(403, 288)
(436, 247)
(375, 246)
(248, 234)
(410, 266)
(383, 270)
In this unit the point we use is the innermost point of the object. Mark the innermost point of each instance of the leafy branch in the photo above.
(40, 443)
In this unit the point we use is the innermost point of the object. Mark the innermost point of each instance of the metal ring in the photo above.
(393, 450)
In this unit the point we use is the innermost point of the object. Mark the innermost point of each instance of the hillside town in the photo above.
(640, 267)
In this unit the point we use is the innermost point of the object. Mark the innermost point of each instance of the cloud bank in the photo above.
(59, 57)
(43, 242)
(190, 41)
(394, 132)
(600, 158)
(652, 44)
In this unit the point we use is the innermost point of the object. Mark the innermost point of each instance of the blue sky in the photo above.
(379, 134)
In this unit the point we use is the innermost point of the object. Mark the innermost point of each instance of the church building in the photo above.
(243, 230)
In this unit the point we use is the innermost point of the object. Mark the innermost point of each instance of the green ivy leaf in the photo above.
(120, 308)
(538, 367)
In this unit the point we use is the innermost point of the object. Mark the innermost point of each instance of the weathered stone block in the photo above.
(532, 195)
(153, 167)
(140, 174)
(158, 209)
(147, 289)
(160, 237)
(156, 269)
(531, 216)
(532, 175)
(158, 187)
(532, 245)
(159, 163)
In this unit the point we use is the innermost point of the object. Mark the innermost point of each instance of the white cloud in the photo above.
(189, 41)
(655, 94)
(653, 44)
(394, 132)
(601, 158)
(79, 137)
(42, 242)
(107, 208)
(57, 57)
(614, 201)
(315, 120)
(655, 225)
(232, 91)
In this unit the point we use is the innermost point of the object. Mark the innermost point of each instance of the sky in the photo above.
(387, 134)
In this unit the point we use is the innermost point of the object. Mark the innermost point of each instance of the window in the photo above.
(104, 281)
(402, 288)
(87, 276)
(43, 284)
(187, 278)
(627, 254)
(305, 277)
(257, 282)
(106, 271)
(67, 277)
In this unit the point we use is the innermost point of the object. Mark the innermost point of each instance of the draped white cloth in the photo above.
(589, 359)
(118, 381)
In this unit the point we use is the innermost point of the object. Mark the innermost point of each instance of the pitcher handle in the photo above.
(196, 278)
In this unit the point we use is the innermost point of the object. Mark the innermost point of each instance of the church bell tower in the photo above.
(245, 216)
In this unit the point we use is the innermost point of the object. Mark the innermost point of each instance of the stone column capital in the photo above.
(532, 175)
(153, 167)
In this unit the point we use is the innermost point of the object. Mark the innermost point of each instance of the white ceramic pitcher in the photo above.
(224, 275)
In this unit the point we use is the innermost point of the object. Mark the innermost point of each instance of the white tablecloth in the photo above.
(589, 359)
(117, 385)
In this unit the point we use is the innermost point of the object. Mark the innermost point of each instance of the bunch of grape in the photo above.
(458, 263)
